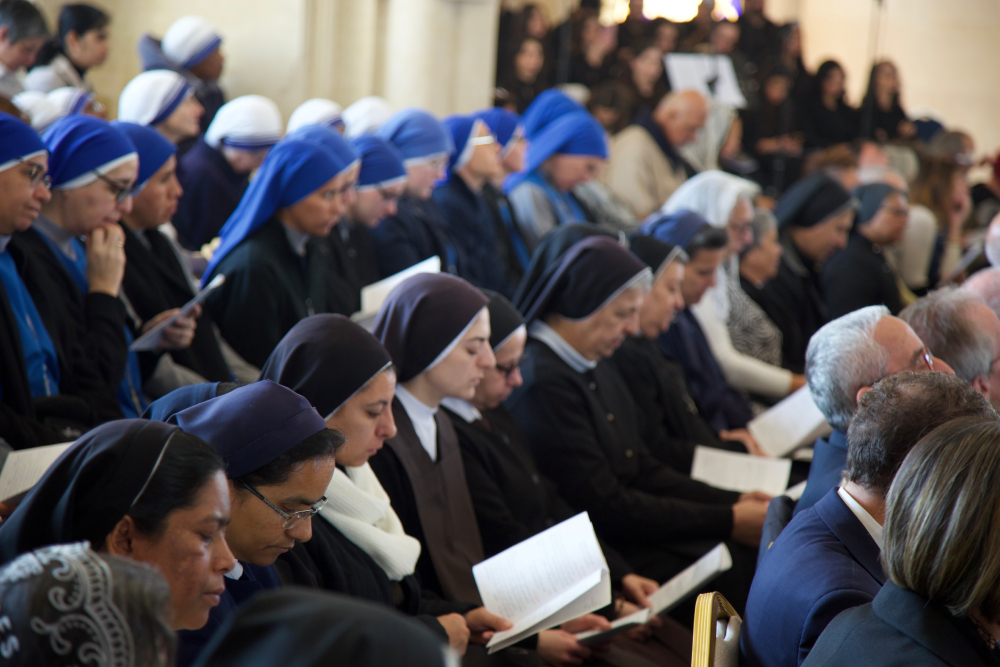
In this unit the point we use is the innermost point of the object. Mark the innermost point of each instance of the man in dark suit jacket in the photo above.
(827, 559)
(845, 358)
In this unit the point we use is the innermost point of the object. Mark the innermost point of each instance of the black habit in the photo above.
(859, 276)
(354, 256)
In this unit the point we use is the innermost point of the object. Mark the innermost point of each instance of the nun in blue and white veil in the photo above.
(272, 252)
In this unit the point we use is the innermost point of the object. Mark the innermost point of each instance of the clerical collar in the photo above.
(59, 236)
(871, 525)
(422, 417)
(297, 240)
(4, 240)
(236, 572)
(541, 331)
(463, 409)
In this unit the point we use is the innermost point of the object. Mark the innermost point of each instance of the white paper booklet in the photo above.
(669, 595)
(553, 577)
(373, 295)
(791, 423)
(22, 468)
(711, 75)
(740, 472)
(152, 338)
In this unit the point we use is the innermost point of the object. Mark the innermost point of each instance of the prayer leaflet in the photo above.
(740, 472)
(553, 577)
(793, 422)
(23, 468)
(669, 595)
(150, 339)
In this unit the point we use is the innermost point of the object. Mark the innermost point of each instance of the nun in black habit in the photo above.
(671, 423)
(815, 217)
(358, 546)
(295, 627)
(579, 419)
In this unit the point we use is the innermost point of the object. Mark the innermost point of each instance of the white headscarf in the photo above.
(38, 108)
(151, 97)
(250, 121)
(365, 115)
(712, 194)
(317, 111)
(189, 40)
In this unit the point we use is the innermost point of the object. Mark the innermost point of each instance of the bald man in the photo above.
(645, 166)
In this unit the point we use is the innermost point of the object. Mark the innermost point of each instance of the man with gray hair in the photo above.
(22, 34)
(964, 332)
(844, 359)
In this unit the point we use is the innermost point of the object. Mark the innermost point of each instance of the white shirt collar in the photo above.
(541, 331)
(297, 240)
(236, 572)
(422, 417)
(463, 409)
(871, 525)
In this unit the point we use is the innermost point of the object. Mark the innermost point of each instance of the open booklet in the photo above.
(740, 472)
(150, 339)
(669, 595)
(793, 422)
(373, 295)
(20, 469)
(553, 577)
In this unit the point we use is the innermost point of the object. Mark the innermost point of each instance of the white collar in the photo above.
(236, 573)
(541, 331)
(463, 409)
(871, 525)
(56, 234)
(422, 417)
(297, 240)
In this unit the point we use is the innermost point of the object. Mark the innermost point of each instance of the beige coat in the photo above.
(639, 173)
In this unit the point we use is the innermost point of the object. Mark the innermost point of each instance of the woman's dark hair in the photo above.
(187, 464)
(816, 87)
(22, 19)
(321, 445)
(709, 238)
(80, 19)
(643, 43)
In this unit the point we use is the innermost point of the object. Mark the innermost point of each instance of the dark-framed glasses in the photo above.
(387, 196)
(508, 369)
(293, 519)
(121, 191)
(37, 174)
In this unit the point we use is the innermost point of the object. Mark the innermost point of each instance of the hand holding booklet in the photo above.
(149, 340)
(669, 595)
(740, 472)
(546, 580)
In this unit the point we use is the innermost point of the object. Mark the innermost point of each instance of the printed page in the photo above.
(24, 467)
(373, 295)
(623, 624)
(529, 583)
(149, 340)
(793, 422)
(740, 472)
(699, 573)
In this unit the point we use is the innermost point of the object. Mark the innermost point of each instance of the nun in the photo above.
(381, 182)
(359, 547)
(156, 274)
(506, 127)
(163, 100)
(279, 458)
(418, 230)
(725, 408)
(671, 423)
(276, 263)
(191, 47)
(300, 628)
(567, 147)
(859, 275)
(366, 115)
(93, 167)
(317, 111)
(81, 43)
(726, 202)
(140, 490)
(466, 213)
(578, 417)
(815, 217)
(215, 172)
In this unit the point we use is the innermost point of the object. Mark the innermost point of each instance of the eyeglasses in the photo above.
(386, 196)
(482, 141)
(121, 191)
(509, 369)
(330, 194)
(925, 357)
(36, 174)
(293, 519)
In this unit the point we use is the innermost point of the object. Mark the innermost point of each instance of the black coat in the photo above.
(155, 282)
(417, 232)
(670, 423)
(825, 127)
(269, 288)
(354, 257)
(795, 303)
(506, 241)
(900, 629)
(212, 191)
(859, 276)
(583, 431)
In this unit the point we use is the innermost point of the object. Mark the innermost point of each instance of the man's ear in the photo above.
(861, 392)
(4, 31)
(982, 385)
(121, 540)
